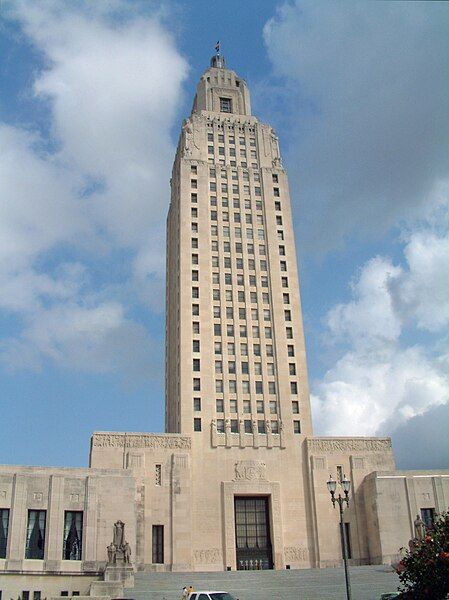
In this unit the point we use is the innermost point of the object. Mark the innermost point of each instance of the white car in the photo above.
(208, 595)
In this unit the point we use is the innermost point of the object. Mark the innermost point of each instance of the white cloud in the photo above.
(37, 204)
(112, 84)
(380, 381)
(422, 294)
(95, 338)
(367, 85)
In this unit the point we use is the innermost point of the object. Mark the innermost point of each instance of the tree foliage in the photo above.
(424, 570)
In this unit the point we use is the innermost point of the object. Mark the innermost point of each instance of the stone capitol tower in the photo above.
(237, 481)
(236, 375)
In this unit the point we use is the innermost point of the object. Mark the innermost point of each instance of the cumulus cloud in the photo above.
(89, 195)
(380, 380)
(366, 84)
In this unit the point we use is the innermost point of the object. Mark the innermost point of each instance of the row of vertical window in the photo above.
(234, 405)
(223, 173)
(242, 367)
(249, 427)
(245, 385)
(36, 531)
(231, 139)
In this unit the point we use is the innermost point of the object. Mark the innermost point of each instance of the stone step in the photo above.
(368, 583)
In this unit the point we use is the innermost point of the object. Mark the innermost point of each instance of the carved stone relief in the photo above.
(111, 440)
(134, 460)
(190, 133)
(37, 496)
(295, 553)
(358, 463)
(319, 462)
(207, 556)
(249, 470)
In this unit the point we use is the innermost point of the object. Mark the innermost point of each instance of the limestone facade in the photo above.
(238, 480)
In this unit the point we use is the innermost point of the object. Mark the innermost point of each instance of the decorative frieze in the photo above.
(349, 444)
(118, 440)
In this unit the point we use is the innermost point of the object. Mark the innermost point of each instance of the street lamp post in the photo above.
(346, 485)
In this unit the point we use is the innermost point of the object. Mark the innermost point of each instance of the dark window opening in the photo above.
(73, 535)
(158, 544)
(225, 105)
(35, 540)
(252, 533)
(428, 516)
(4, 523)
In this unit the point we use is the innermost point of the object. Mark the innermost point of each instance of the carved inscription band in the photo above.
(355, 444)
(111, 440)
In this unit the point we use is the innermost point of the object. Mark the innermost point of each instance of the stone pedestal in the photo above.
(120, 572)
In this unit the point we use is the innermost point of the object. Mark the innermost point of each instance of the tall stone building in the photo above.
(238, 481)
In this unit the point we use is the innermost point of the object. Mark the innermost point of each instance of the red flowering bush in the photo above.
(424, 573)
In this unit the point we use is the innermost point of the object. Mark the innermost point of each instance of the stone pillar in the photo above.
(90, 559)
(438, 492)
(241, 433)
(411, 503)
(181, 503)
(357, 504)
(55, 523)
(17, 530)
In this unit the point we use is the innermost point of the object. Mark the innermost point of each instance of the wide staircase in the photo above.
(368, 583)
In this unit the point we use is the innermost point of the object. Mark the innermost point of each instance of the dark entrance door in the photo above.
(252, 533)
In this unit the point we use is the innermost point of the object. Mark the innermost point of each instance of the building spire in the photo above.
(217, 60)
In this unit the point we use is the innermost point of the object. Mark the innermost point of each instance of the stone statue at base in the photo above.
(112, 553)
(119, 568)
(420, 528)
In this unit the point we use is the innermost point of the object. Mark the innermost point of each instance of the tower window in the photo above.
(296, 427)
(225, 105)
(196, 424)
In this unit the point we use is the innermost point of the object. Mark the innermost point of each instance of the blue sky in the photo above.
(93, 96)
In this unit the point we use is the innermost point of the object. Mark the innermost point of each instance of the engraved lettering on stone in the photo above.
(207, 556)
(141, 441)
(294, 553)
(357, 445)
(249, 470)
